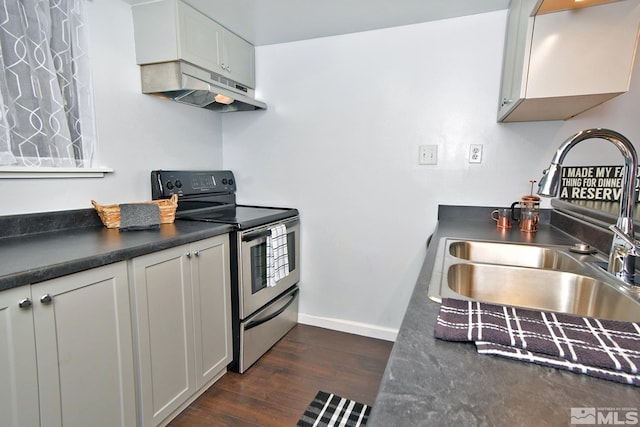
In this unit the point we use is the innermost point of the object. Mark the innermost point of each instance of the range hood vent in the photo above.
(185, 83)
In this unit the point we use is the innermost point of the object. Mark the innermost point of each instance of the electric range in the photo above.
(262, 312)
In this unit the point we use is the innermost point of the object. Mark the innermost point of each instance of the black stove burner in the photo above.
(243, 217)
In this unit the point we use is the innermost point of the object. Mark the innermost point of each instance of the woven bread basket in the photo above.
(110, 214)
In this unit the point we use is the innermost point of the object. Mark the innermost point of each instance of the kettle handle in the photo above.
(513, 212)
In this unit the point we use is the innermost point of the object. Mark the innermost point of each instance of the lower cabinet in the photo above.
(67, 351)
(182, 308)
(69, 347)
(18, 369)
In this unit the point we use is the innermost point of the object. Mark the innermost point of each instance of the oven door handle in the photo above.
(259, 322)
(255, 236)
(264, 233)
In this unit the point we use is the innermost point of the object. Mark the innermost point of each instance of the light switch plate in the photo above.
(428, 155)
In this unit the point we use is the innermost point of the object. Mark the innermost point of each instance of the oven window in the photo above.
(258, 267)
(291, 250)
(259, 262)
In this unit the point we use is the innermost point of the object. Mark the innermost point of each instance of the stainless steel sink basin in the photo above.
(539, 277)
(514, 254)
(542, 290)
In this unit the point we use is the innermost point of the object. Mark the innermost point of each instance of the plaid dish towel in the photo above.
(277, 255)
(602, 348)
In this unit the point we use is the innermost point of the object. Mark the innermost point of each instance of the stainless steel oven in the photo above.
(262, 312)
(266, 312)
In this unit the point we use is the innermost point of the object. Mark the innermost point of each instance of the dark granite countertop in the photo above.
(429, 382)
(32, 257)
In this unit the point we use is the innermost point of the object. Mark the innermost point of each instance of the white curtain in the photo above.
(46, 103)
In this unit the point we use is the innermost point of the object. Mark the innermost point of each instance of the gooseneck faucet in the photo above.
(624, 247)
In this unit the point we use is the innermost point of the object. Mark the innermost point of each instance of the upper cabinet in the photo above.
(236, 59)
(170, 30)
(557, 65)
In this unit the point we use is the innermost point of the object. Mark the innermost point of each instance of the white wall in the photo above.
(340, 142)
(136, 133)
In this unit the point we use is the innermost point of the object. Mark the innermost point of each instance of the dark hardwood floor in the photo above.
(277, 389)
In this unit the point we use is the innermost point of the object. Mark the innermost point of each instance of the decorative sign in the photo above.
(602, 183)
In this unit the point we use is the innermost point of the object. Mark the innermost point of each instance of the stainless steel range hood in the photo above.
(185, 83)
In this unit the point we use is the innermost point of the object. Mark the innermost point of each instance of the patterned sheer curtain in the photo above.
(46, 103)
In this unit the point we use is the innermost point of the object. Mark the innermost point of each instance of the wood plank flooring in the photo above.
(277, 389)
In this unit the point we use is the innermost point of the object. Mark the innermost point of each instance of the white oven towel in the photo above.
(277, 255)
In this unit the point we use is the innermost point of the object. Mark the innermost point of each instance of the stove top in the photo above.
(209, 196)
(243, 217)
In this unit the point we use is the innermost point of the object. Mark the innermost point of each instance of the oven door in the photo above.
(252, 281)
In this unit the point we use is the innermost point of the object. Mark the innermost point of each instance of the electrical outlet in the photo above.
(475, 153)
(428, 155)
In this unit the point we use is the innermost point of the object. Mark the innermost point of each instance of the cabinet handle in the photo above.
(46, 299)
(25, 303)
(197, 253)
(505, 101)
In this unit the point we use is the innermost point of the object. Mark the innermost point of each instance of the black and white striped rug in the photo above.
(329, 410)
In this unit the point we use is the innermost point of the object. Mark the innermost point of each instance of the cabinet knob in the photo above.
(197, 253)
(505, 101)
(46, 299)
(25, 303)
(188, 254)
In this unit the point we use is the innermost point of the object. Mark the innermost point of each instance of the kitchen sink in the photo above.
(539, 277)
(514, 254)
(540, 289)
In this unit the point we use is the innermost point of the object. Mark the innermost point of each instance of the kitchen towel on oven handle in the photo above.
(277, 255)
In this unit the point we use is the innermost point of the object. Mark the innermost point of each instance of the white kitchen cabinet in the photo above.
(557, 65)
(183, 313)
(237, 59)
(69, 353)
(18, 370)
(171, 30)
(210, 275)
(85, 349)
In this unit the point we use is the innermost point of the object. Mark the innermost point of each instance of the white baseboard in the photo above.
(356, 328)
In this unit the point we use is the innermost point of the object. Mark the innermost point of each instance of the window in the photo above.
(46, 103)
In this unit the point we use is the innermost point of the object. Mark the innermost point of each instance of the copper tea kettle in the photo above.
(528, 216)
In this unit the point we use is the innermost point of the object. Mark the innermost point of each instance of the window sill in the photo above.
(29, 173)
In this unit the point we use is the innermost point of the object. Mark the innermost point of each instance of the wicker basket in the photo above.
(110, 214)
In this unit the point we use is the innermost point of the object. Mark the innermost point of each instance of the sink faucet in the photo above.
(624, 247)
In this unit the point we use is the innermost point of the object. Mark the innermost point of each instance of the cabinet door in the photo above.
(85, 349)
(212, 307)
(18, 370)
(200, 38)
(164, 312)
(239, 59)
(517, 49)
(601, 39)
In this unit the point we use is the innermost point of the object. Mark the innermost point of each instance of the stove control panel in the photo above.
(188, 182)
